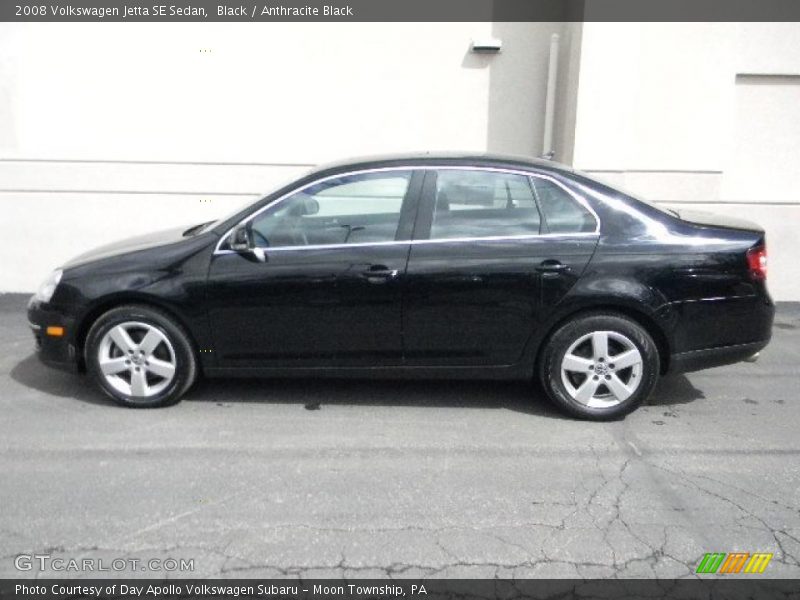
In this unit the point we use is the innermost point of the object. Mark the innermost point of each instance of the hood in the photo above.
(141, 242)
(707, 219)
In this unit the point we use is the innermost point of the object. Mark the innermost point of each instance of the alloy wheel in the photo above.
(137, 359)
(602, 369)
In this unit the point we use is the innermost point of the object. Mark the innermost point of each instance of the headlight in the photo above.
(48, 287)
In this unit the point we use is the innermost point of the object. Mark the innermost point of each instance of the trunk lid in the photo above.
(708, 219)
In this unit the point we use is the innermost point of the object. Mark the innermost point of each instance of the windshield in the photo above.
(203, 227)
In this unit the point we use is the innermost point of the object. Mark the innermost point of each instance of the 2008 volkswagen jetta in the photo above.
(419, 266)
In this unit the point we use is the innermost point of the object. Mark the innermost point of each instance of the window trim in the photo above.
(218, 250)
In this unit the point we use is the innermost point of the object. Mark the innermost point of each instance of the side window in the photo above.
(472, 203)
(353, 209)
(562, 213)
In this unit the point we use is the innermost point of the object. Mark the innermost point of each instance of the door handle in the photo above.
(379, 274)
(552, 266)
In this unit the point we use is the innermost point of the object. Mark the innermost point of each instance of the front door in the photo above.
(485, 266)
(329, 290)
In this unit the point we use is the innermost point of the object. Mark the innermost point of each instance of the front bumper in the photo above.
(55, 351)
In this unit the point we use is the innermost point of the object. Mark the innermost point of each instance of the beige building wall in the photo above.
(110, 130)
(705, 115)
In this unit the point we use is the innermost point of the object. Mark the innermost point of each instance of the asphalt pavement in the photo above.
(274, 478)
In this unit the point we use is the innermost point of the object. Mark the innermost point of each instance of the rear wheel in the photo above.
(140, 357)
(600, 366)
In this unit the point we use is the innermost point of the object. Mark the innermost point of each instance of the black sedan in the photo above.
(460, 266)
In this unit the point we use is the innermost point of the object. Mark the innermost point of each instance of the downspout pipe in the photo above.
(550, 99)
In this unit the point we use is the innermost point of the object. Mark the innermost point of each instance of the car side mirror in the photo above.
(242, 242)
(242, 239)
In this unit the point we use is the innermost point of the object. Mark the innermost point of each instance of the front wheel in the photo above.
(140, 357)
(600, 366)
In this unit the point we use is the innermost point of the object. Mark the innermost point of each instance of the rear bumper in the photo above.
(720, 331)
(59, 352)
(713, 357)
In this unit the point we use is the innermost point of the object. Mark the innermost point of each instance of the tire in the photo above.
(582, 379)
(140, 357)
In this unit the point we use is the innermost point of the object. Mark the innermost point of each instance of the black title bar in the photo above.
(718, 588)
(399, 10)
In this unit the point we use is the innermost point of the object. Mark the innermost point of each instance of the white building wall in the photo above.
(114, 129)
(109, 130)
(704, 114)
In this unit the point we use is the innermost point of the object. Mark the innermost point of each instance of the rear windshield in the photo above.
(617, 188)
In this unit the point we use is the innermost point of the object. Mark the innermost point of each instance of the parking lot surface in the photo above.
(403, 479)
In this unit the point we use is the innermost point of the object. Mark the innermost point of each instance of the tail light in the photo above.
(757, 262)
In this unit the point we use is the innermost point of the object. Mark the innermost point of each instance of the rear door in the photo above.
(486, 266)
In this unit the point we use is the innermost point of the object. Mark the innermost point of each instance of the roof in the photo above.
(445, 158)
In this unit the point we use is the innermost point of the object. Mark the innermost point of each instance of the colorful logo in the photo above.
(735, 562)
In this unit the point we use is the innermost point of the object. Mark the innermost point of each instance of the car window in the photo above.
(352, 209)
(471, 203)
(562, 212)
